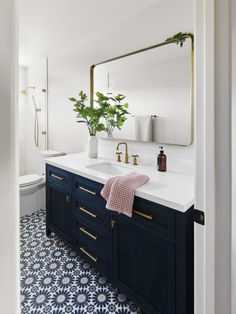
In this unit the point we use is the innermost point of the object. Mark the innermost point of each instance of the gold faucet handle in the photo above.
(135, 160)
(119, 156)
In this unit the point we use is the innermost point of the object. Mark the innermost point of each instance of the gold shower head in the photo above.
(25, 90)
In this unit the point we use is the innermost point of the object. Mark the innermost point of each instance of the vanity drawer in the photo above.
(154, 216)
(91, 235)
(100, 258)
(92, 213)
(58, 176)
(88, 189)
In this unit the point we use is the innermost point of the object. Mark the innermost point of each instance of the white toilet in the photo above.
(32, 187)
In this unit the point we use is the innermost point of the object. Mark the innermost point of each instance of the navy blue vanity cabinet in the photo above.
(144, 266)
(149, 257)
(153, 258)
(58, 203)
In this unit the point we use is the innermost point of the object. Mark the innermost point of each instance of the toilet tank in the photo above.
(48, 154)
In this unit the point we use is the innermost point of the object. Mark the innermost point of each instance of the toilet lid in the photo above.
(30, 179)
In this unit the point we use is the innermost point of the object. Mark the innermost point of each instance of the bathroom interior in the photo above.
(106, 129)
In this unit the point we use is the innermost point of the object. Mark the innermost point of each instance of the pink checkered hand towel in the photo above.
(119, 192)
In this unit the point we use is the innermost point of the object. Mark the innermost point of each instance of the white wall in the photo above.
(9, 242)
(223, 169)
(233, 53)
(69, 70)
(23, 106)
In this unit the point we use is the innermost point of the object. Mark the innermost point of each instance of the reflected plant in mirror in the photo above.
(114, 111)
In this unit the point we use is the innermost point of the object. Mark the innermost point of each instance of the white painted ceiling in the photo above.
(48, 26)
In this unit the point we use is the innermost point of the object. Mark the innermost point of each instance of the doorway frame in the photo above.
(212, 172)
(205, 153)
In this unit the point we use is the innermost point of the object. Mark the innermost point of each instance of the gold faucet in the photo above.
(126, 150)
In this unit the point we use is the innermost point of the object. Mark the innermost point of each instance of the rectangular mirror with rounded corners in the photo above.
(158, 84)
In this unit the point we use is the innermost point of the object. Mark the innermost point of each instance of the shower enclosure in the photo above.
(33, 116)
(25, 92)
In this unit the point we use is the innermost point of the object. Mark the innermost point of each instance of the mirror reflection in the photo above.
(158, 87)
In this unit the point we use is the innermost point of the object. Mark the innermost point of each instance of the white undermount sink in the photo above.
(111, 168)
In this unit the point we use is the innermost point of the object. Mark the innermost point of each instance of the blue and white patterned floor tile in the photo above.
(55, 280)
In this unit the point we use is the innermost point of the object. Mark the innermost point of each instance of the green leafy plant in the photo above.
(88, 114)
(110, 108)
(114, 110)
(180, 38)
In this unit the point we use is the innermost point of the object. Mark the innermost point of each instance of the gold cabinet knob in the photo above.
(135, 160)
(119, 156)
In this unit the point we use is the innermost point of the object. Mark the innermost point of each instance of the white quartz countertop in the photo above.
(173, 189)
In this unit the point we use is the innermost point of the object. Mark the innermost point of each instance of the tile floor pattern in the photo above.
(55, 280)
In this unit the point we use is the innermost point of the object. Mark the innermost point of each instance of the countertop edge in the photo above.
(175, 206)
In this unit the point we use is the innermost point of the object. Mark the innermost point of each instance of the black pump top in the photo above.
(161, 151)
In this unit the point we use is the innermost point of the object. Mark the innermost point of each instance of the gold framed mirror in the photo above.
(158, 82)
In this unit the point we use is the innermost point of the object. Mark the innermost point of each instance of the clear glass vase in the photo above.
(109, 129)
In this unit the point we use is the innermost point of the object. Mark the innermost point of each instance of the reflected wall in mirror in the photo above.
(158, 84)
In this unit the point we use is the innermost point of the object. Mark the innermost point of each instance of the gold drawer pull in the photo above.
(146, 216)
(88, 212)
(94, 237)
(55, 176)
(86, 190)
(82, 249)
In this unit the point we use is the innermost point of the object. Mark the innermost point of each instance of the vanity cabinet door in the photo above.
(59, 210)
(144, 266)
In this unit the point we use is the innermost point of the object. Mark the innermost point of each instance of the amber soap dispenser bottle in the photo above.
(161, 160)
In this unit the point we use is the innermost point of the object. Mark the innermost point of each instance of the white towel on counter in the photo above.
(143, 128)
